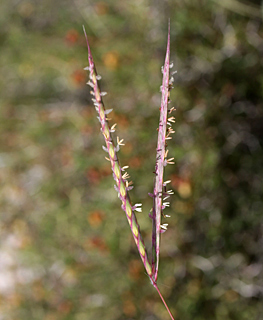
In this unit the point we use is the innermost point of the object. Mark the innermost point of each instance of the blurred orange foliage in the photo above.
(79, 77)
(101, 8)
(111, 60)
(95, 218)
(72, 36)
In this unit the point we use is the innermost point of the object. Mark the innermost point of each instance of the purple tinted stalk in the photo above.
(122, 185)
(161, 161)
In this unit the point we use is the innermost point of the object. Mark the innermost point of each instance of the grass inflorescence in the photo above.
(123, 186)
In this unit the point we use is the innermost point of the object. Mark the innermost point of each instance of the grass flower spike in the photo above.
(161, 161)
(123, 186)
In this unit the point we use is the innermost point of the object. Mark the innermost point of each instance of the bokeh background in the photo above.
(66, 249)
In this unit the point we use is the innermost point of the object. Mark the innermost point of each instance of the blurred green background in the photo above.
(66, 248)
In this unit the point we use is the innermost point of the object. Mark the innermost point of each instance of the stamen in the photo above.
(128, 183)
(138, 205)
(137, 208)
(120, 142)
(164, 226)
(171, 110)
(125, 176)
(170, 161)
(166, 204)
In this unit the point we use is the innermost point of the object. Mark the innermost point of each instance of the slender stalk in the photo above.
(167, 308)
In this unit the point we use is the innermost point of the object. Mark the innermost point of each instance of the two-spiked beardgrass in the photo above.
(160, 193)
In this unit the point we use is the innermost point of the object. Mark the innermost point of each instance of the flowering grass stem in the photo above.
(123, 186)
(161, 161)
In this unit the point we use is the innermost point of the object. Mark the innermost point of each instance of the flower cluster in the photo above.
(123, 186)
